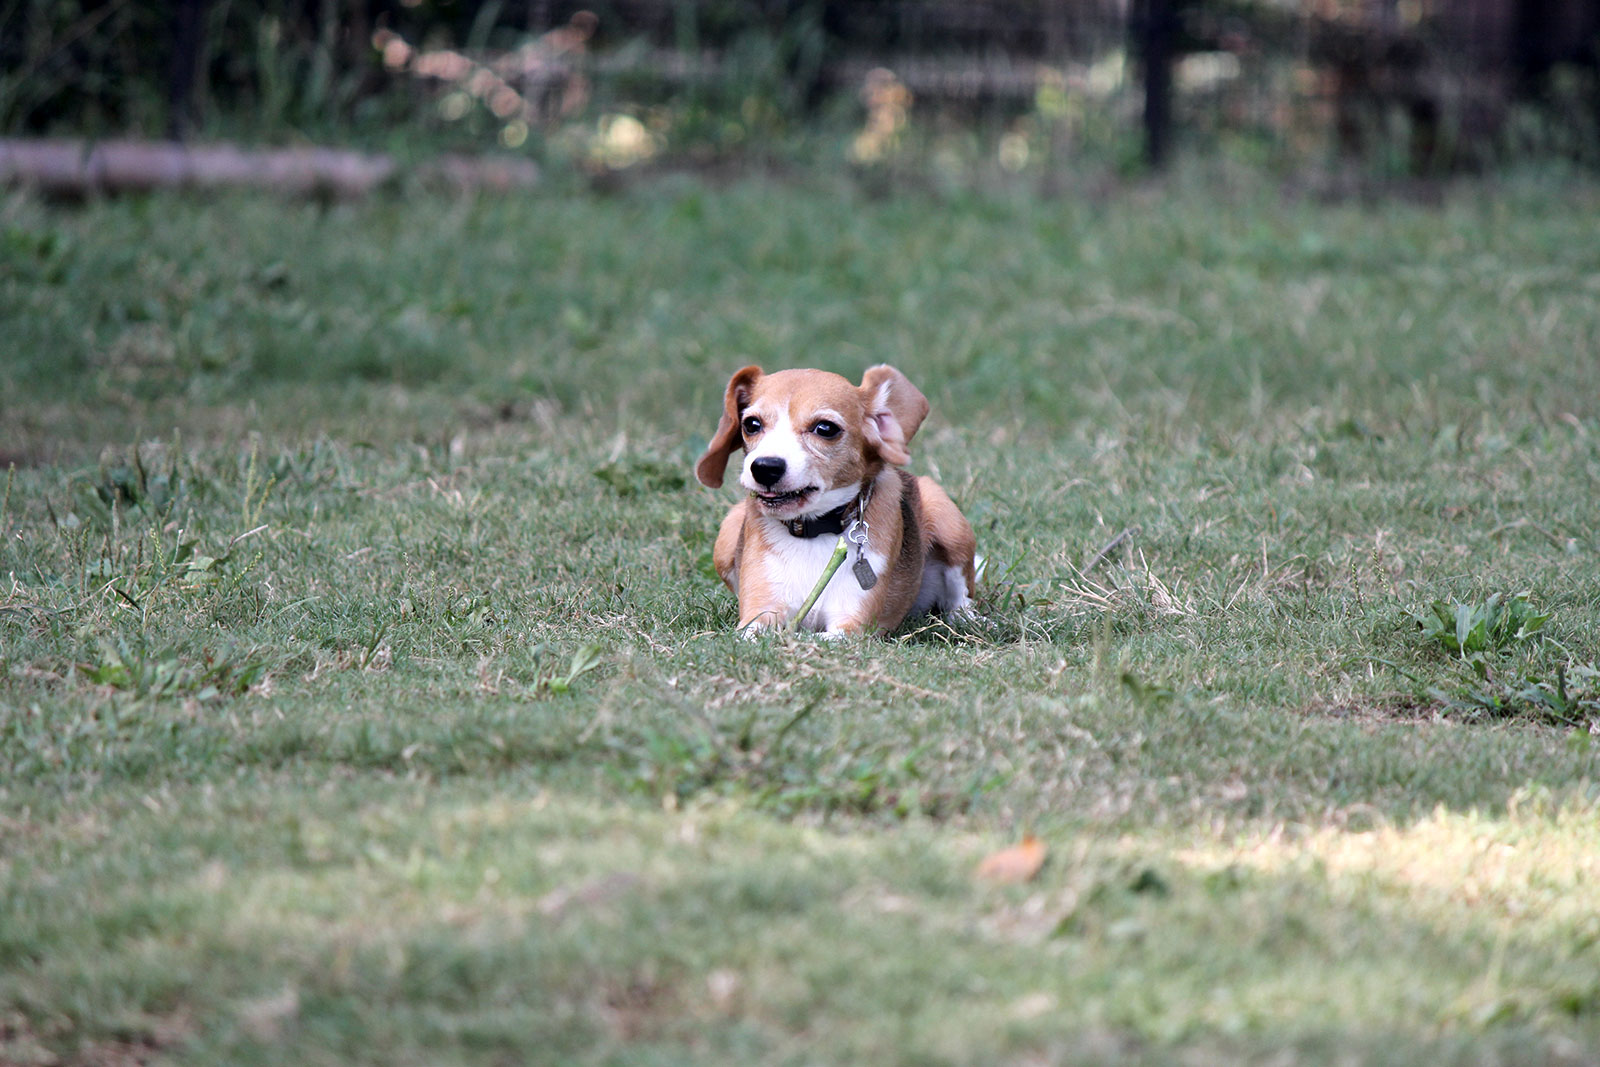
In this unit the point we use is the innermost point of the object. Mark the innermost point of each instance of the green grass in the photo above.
(366, 694)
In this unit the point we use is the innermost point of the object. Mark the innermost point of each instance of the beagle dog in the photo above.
(821, 459)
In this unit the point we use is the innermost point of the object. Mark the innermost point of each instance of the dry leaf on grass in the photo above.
(1014, 865)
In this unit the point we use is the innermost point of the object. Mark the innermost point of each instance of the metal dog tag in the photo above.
(866, 577)
(858, 534)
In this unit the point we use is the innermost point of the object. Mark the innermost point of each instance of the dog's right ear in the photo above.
(714, 464)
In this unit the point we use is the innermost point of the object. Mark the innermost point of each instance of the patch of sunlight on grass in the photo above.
(1540, 862)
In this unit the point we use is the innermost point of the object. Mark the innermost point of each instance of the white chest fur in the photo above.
(791, 566)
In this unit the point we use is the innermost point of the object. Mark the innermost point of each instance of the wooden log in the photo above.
(81, 168)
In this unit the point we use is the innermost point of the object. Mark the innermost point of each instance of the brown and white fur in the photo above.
(813, 443)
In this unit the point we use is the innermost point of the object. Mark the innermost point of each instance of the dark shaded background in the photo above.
(1425, 85)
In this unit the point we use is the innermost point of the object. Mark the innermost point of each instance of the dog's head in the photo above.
(811, 438)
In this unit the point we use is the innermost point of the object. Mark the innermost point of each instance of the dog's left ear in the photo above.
(714, 464)
(894, 409)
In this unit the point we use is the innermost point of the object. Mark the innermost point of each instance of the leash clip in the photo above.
(858, 534)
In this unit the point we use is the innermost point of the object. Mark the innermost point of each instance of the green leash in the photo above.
(839, 552)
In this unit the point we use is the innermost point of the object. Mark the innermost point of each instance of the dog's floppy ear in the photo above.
(894, 409)
(714, 464)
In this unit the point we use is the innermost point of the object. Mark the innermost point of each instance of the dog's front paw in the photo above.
(764, 623)
(838, 631)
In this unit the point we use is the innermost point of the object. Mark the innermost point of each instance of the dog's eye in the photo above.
(752, 426)
(826, 429)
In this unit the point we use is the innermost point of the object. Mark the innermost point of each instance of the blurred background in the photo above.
(952, 89)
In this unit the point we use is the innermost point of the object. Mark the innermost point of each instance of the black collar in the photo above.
(831, 522)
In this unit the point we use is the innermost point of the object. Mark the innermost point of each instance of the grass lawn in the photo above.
(366, 694)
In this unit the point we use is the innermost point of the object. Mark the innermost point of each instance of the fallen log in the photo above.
(85, 167)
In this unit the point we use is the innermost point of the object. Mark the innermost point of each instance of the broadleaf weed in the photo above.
(1492, 624)
(1476, 632)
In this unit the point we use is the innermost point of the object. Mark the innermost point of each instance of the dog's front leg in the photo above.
(853, 624)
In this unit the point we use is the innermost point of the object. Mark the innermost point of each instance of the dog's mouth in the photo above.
(775, 501)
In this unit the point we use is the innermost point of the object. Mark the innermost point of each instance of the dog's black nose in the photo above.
(767, 470)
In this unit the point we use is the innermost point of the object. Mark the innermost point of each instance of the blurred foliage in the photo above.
(102, 66)
(1042, 85)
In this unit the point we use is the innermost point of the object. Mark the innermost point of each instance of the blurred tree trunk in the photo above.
(1156, 31)
(188, 43)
